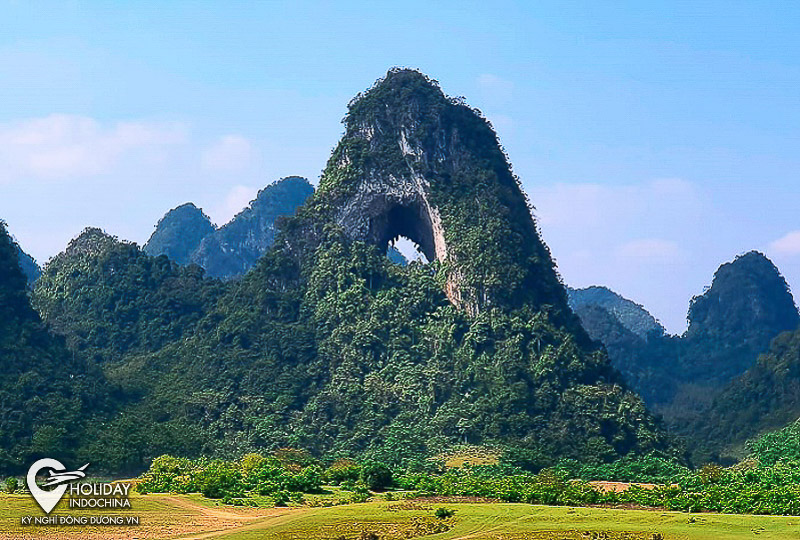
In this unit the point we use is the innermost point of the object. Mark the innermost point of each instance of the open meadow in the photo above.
(187, 517)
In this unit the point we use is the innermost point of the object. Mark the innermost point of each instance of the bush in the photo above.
(444, 513)
(220, 479)
(12, 485)
(342, 470)
(376, 476)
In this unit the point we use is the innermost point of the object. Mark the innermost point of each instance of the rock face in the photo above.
(179, 233)
(234, 248)
(415, 163)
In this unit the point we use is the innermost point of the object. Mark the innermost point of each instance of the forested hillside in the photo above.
(109, 298)
(48, 395)
(765, 397)
(716, 360)
(329, 346)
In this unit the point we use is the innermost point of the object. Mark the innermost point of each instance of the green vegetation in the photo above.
(47, 396)
(327, 345)
(766, 397)
(233, 482)
(11, 485)
(748, 488)
(697, 381)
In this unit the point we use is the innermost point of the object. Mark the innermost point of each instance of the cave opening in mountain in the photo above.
(408, 249)
(408, 229)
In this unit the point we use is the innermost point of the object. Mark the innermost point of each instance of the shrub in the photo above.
(444, 513)
(12, 485)
(342, 470)
(376, 476)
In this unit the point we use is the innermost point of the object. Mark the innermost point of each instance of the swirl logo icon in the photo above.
(58, 478)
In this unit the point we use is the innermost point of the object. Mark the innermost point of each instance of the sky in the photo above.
(657, 140)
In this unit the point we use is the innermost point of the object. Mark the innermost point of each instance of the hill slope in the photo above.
(179, 233)
(328, 345)
(47, 397)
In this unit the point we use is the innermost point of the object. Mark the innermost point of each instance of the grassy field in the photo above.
(192, 517)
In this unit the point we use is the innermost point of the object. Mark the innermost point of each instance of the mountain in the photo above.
(647, 362)
(234, 248)
(47, 397)
(179, 233)
(630, 314)
(730, 324)
(29, 267)
(326, 344)
(709, 384)
(108, 298)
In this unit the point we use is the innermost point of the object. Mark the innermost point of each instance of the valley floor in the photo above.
(188, 517)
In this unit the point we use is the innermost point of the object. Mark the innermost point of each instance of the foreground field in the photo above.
(192, 517)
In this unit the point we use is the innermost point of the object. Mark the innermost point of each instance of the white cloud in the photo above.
(495, 91)
(788, 244)
(234, 202)
(230, 153)
(63, 146)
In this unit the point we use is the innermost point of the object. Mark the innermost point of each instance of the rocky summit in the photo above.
(418, 164)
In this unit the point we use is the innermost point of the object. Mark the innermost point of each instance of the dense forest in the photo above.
(328, 345)
(291, 327)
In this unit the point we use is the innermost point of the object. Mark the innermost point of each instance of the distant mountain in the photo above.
(631, 315)
(186, 235)
(234, 248)
(29, 267)
(747, 305)
(179, 233)
(730, 324)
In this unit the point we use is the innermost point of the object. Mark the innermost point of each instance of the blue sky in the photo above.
(656, 140)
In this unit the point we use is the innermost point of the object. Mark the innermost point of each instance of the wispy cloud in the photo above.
(788, 244)
(63, 146)
(230, 153)
(234, 202)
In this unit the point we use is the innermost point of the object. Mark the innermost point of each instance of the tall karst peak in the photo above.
(747, 294)
(179, 233)
(418, 164)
